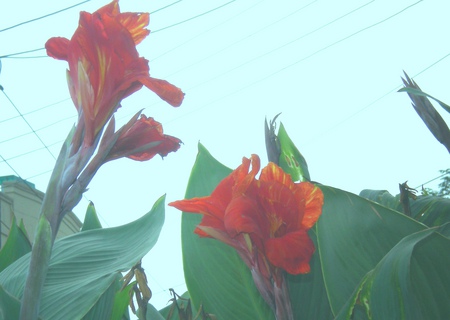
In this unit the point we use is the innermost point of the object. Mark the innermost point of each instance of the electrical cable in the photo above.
(194, 17)
(35, 133)
(44, 16)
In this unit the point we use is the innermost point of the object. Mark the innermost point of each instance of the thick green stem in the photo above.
(43, 240)
(40, 257)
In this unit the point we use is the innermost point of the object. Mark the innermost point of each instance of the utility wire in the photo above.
(289, 65)
(18, 53)
(35, 133)
(165, 7)
(275, 49)
(194, 17)
(246, 37)
(13, 55)
(44, 16)
(36, 110)
(204, 32)
(22, 180)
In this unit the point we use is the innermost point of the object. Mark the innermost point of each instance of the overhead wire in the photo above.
(316, 52)
(289, 65)
(28, 124)
(14, 55)
(206, 31)
(246, 37)
(35, 110)
(194, 17)
(44, 16)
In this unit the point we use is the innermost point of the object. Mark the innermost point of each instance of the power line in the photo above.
(290, 65)
(37, 130)
(165, 7)
(36, 110)
(35, 133)
(13, 55)
(246, 37)
(206, 31)
(44, 16)
(22, 180)
(194, 17)
(275, 49)
(19, 53)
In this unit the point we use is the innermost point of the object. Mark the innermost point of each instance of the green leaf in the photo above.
(9, 306)
(121, 302)
(430, 210)
(354, 234)
(153, 313)
(291, 160)
(384, 198)
(16, 245)
(419, 92)
(308, 294)
(411, 282)
(216, 277)
(91, 220)
(84, 266)
(104, 306)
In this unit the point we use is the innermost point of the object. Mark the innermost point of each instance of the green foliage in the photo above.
(215, 275)
(429, 210)
(9, 306)
(16, 245)
(180, 308)
(84, 270)
(291, 160)
(91, 220)
(371, 261)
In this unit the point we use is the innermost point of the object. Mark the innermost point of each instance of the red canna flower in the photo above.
(104, 65)
(142, 141)
(266, 221)
(274, 212)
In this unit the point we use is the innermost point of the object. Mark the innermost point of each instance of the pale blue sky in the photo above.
(332, 69)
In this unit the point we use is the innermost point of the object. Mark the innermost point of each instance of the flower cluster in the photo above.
(266, 220)
(104, 69)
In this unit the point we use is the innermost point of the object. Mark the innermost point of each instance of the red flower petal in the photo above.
(57, 48)
(291, 252)
(310, 199)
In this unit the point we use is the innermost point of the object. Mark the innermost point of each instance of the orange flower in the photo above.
(262, 219)
(104, 65)
(143, 140)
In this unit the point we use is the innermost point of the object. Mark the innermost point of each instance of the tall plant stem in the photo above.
(40, 258)
(43, 241)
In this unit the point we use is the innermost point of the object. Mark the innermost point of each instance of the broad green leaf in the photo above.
(104, 306)
(384, 198)
(309, 298)
(121, 302)
(215, 275)
(419, 92)
(85, 265)
(16, 245)
(153, 313)
(430, 210)
(91, 220)
(354, 234)
(9, 306)
(291, 160)
(411, 282)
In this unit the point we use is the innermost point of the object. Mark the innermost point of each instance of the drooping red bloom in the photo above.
(104, 65)
(143, 140)
(274, 213)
